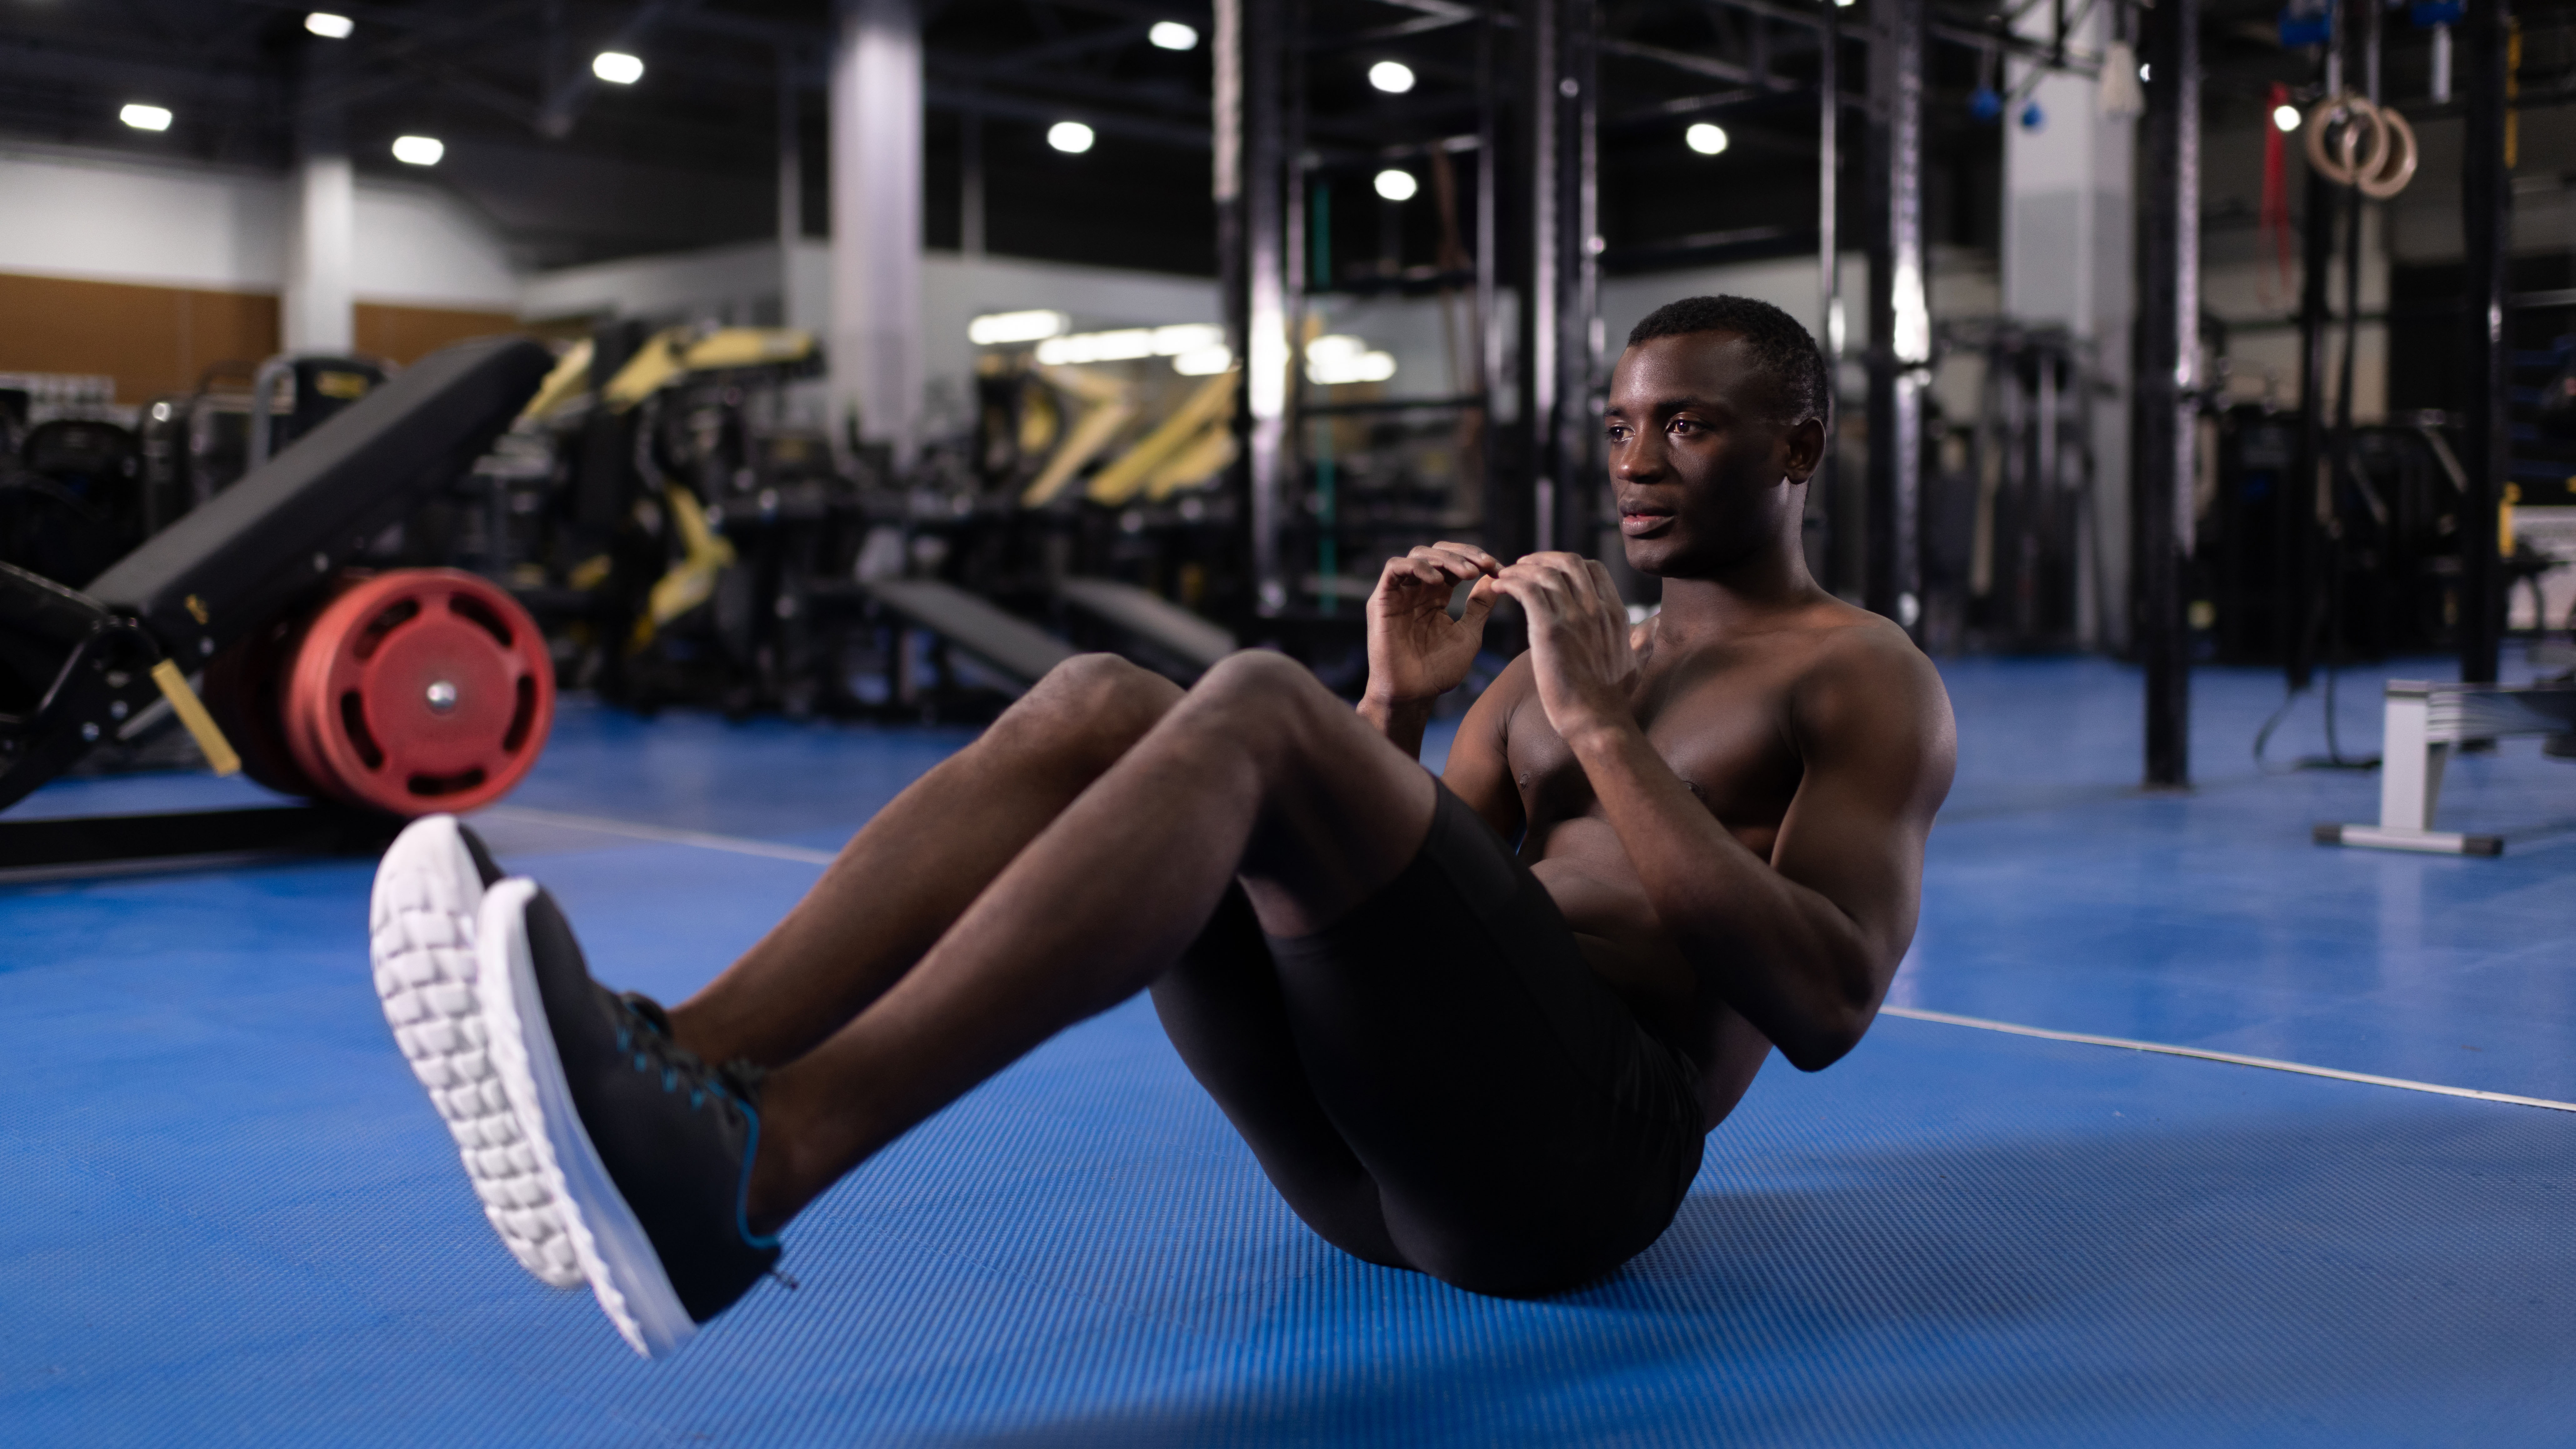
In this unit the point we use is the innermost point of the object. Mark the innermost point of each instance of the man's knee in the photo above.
(1259, 687)
(1098, 703)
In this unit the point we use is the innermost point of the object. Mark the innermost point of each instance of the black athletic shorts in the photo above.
(1438, 1080)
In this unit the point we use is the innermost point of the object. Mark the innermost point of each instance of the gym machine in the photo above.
(377, 697)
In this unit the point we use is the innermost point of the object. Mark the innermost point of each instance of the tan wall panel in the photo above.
(406, 334)
(150, 339)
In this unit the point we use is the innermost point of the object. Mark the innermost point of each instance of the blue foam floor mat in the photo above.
(233, 1219)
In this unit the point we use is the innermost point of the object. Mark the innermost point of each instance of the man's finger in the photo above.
(1480, 601)
(1482, 560)
(1461, 562)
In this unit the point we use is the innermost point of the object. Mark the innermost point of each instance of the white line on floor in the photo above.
(734, 843)
(774, 851)
(2232, 1058)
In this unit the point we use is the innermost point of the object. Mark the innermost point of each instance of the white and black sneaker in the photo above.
(421, 932)
(646, 1150)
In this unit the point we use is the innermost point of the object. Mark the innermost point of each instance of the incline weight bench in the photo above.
(409, 692)
(1171, 634)
(2424, 722)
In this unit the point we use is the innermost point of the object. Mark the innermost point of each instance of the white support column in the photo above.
(2410, 763)
(320, 310)
(2067, 259)
(876, 223)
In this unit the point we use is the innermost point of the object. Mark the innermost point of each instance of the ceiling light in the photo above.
(1173, 35)
(329, 26)
(617, 67)
(2143, 75)
(1397, 185)
(145, 118)
(996, 329)
(1391, 76)
(2286, 117)
(1705, 138)
(1124, 345)
(1183, 338)
(1070, 137)
(1203, 361)
(418, 150)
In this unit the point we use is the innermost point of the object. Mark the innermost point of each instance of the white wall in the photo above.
(724, 284)
(418, 244)
(99, 216)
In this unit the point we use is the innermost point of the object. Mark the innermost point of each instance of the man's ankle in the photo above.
(775, 1195)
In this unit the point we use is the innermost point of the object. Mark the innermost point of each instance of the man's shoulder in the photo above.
(1862, 669)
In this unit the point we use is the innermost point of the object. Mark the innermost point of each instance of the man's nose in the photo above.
(1640, 457)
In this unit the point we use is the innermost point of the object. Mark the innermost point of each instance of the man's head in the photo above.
(1716, 416)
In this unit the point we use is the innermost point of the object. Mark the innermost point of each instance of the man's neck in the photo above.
(1748, 594)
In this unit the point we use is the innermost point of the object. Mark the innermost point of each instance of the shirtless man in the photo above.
(1489, 1066)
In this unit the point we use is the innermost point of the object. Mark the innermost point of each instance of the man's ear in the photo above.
(1806, 449)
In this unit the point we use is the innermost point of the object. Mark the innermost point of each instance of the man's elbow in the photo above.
(1817, 1049)
(1828, 1036)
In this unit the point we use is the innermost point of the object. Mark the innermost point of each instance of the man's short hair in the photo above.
(1801, 387)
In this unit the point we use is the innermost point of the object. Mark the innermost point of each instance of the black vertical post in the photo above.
(2168, 381)
(1573, 429)
(1900, 318)
(1543, 262)
(2486, 220)
(1498, 503)
(2306, 494)
(1829, 114)
(1249, 115)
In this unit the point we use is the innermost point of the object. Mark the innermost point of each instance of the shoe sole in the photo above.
(616, 1256)
(421, 931)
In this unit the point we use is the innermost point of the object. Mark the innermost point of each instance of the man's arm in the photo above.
(1802, 945)
(1479, 770)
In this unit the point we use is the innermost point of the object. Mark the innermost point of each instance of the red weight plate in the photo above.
(245, 690)
(419, 691)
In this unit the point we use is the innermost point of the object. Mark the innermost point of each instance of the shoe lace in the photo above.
(644, 1032)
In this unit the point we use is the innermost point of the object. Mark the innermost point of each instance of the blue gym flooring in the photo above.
(232, 1219)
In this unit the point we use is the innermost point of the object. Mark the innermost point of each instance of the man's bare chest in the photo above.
(1723, 726)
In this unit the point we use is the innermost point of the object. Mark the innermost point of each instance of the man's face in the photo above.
(1702, 474)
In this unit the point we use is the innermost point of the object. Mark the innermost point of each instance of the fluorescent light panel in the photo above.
(419, 150)
(1127, 344)
(329, 26)
(996, 329)
(1339, 358)
(1173, 35)
(145, 118)
(617, 67)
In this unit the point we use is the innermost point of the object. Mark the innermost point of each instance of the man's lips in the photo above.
(1639, 520)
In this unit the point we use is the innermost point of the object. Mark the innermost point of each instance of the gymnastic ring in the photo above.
(2403, 154)
(2352, 110)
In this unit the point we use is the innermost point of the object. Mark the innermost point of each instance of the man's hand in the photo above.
(1416, 652)
(1581, 654)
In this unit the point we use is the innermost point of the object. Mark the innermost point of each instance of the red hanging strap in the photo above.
(2275, 212)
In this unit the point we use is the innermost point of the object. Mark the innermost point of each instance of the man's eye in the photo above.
(1682, 425)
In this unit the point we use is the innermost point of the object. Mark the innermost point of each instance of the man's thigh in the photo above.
(1341, 809)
